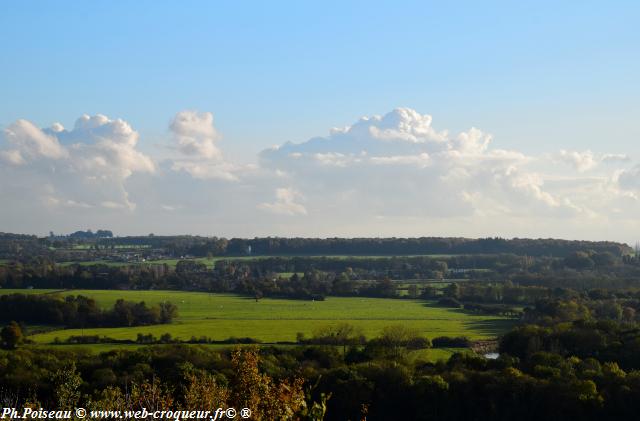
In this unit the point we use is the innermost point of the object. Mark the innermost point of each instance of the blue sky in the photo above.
(540, 77)
(535, 73)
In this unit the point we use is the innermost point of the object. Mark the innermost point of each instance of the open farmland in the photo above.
(221, 316)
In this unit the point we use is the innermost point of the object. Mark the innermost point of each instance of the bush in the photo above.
(450, 342)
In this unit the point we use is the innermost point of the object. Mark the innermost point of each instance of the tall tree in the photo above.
(11, 335)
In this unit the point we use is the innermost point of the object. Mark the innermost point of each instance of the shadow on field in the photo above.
(250, 298)
(492, 327)
(434, 304)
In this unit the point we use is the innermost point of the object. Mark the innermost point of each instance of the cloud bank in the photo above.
(85, 167)
(393, 174)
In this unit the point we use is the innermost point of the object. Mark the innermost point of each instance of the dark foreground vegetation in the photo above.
(320, 382)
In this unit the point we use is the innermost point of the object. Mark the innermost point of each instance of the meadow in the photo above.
(221, 316)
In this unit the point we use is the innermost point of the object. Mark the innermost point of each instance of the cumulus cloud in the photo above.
(195, 134)
(285, 203)
(615, 158)
(195, 137)
(394, 174)
(399, 164)
(421, 160)
(581, 161)
(206, 169)
(12, 156)
(28, 142)
(400, 132)
(473, 142)
(83, 167)
(587, 160)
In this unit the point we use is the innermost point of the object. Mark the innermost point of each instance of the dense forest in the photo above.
(19, 246)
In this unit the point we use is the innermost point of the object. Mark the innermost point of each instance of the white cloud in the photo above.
(399, 164)
(81, 168)
(285, 203)
(195, 134)
(12, 157)
(581, 161)
(629, 179)
(170, 208)
(615, 158)
(587, 160)
(31, 143)
(205, 169)
(333, 159)
(384, 175)
(421, 160)
(473, 142)
(196, 137)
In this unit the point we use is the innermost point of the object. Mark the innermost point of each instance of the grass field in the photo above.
(221, 316)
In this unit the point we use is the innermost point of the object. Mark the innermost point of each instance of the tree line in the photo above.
(507, 279)
(23, 246)
(81, 311)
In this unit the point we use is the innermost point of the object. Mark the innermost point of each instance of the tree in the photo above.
(610, 310)
(68, 382)
(396, 339)
(123, 313)
(188, 266)
(579, 260)
(429, 292)
(343, 334)
(202, 390)
(604, 259)
(441, 266)
(258, 295)
(452, 290)
(385, 288)
(342, 285)
(11, 335)
(267, 399)
(168, 311)
(628, 314)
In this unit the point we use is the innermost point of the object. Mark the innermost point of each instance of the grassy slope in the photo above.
(220, 316)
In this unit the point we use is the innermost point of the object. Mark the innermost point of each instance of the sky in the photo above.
(387, 118)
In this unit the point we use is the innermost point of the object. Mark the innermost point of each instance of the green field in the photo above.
(170, 262)
(221, 316)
